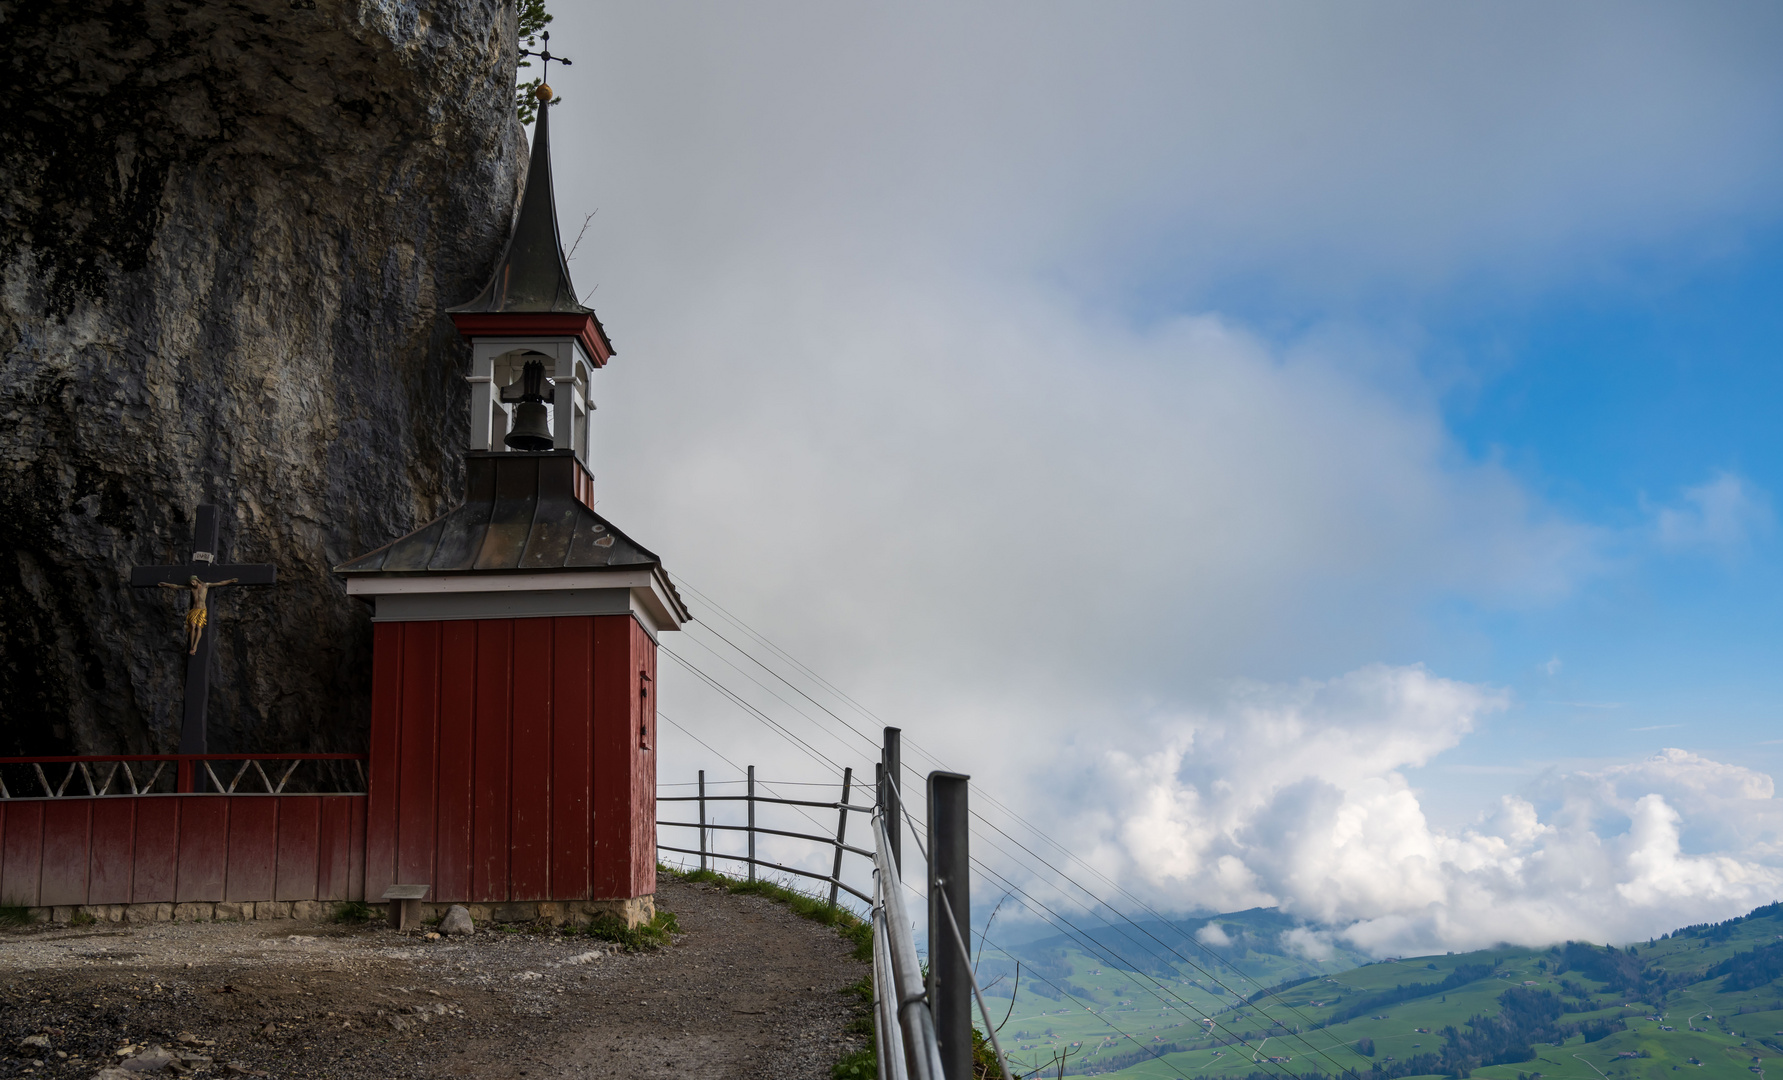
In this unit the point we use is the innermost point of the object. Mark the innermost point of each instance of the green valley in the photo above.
(1188, 1001)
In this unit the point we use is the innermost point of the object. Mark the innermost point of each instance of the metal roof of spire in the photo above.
(533, 275)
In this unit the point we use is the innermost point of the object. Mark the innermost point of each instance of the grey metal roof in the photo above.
(533, 274)
(520, 513)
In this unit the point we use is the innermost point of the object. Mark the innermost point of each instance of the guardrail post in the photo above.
(184, 776)
(891, 793)
(702, 820)
(841, 833)
(950, 972)
(751, 833)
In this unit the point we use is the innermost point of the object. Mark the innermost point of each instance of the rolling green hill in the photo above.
(1704, 998)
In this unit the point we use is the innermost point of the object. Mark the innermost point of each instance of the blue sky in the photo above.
(1304, 454)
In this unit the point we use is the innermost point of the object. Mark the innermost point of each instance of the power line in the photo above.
(808, 672)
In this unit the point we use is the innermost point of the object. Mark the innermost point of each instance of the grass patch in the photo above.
(860, 1065)
(15, 915)
(354, 911)
(645, 938)
(804, 905)
(82, 918)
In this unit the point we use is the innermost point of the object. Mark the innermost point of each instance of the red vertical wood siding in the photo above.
(249, 873)
(644, 766)
(572, 763)
(526, 763)
(457, 749)
(529, 874)
(21, 859)
(339, 834)
(299, 851)
(203, 849)
(491, 772)
(156, 847)
(173, 849)
(113, 866)
(67, 834)
(386, 730)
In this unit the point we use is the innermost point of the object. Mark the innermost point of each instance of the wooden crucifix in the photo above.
(198, 577)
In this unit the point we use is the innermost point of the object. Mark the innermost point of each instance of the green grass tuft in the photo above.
(354, 911)
(15, 915)
(82, 918)
(650, 936)
(860, 1065)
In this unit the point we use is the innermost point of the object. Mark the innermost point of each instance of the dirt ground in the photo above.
(747, 990)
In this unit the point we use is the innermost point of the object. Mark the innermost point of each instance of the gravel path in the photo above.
(748, 989)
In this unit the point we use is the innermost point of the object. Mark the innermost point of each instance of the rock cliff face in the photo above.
(226, 234)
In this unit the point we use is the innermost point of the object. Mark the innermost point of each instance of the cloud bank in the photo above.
(1293, 796)
(1032, 370)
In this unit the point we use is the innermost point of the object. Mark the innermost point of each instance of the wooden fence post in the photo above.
(841, 834)
(702, 821)
(751, 800)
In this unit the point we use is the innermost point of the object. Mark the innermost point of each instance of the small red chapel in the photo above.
(513, 723)
(512, 756)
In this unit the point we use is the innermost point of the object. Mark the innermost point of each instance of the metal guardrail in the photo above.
(709, 857)
(922, 1021)
(900, 997)
(120, 775)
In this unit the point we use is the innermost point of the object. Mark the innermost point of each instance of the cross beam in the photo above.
(205, 568)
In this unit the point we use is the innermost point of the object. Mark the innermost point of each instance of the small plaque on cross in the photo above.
(198, 577)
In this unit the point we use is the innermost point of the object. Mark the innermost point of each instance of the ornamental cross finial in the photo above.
(545, 55)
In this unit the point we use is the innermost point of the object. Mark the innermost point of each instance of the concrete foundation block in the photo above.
(272, 909)
(311, 910)
(148, 913)
(234, 911)
(199, 912)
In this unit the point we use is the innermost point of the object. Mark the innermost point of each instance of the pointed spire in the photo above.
(533, 274)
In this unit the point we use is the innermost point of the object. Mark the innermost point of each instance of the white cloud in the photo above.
(1213, 934)
(1292, 796)
(1724, 514)
(915, 371)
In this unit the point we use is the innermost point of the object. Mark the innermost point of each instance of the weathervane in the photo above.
(545, 55)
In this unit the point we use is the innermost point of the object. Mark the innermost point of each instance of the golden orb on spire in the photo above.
(543, 93)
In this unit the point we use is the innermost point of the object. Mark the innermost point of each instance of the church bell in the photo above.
(532, 427)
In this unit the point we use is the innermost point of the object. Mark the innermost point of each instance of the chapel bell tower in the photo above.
(534, 346)
(513, 726)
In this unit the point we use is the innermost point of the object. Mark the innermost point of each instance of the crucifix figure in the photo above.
(198, 614)
(200, 576)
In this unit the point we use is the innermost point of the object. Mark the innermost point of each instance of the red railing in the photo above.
(191, 774)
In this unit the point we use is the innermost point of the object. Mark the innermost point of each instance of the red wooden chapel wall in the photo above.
(156, 849)
(513, 759)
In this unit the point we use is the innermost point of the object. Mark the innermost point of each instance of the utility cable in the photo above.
(913, 744)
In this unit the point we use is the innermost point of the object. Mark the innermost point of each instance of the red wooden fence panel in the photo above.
(21, 857)
(114, 846)
(203, 848)
(253, 849)
(299, 849)
(157, 849)
(83, 850)
(67, 830)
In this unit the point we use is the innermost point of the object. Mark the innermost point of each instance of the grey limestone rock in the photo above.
(227, 232)
(457, 921)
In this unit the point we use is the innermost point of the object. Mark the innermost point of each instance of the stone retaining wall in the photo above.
(632, 912)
